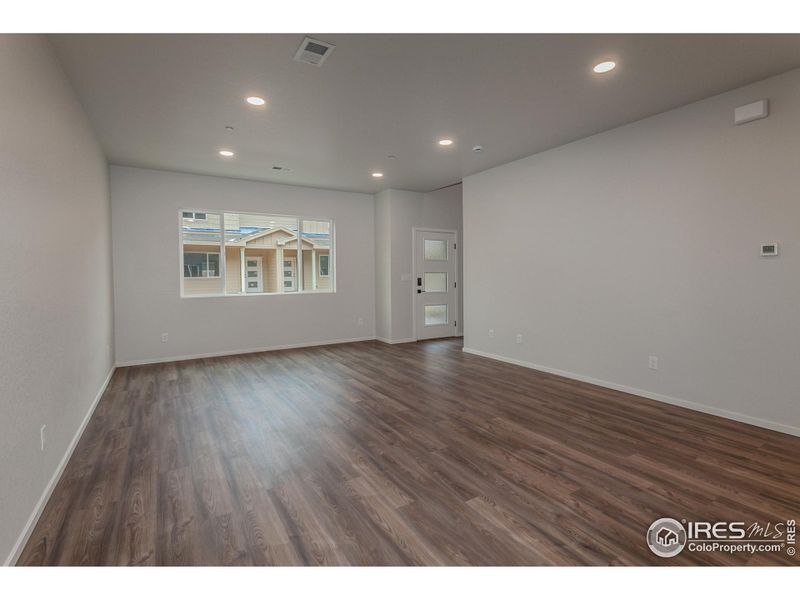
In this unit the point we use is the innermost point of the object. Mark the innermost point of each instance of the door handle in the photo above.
(419, 281)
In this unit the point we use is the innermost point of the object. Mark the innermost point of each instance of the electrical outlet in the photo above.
(491, 333)
(653, 363)
(164, 338)
(41, 435)
(519, 338)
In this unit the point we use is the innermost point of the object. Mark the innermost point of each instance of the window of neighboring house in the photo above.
(201, 264)
(236, 254)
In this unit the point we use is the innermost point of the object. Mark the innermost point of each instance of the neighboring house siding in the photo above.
(193, 286)
(233, 271)
(307, 269)
(269, 240)
(272, 275)
(267, 264)
(271, 272)
(323, 283)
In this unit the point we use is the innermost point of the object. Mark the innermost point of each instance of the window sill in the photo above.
(303, 293)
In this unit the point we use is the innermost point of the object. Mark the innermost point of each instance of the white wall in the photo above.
(443, 208)
(145, 206)
(397, 213)
(644, 240)
(383, 266)
(55, 257)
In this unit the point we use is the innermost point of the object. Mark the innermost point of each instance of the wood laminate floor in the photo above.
(415, 454)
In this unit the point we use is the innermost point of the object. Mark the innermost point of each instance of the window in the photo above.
(435, 314)
(236, 254)
(435, 250)
(435, 282)
(201, 264)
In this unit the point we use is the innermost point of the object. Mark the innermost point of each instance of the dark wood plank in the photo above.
(416, 454)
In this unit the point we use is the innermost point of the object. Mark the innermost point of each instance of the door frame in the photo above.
(295, 277)
(260, 267)
(456, 316)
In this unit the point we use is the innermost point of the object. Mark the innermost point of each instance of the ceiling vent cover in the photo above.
(313, 52)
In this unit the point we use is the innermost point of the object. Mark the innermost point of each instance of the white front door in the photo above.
(289, 274)
(434, 284)
(253, 275)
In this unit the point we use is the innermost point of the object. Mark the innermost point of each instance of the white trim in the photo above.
(400, 341)
(251, 295)
(152, 361)
(703, 408)
(242, 270)
(456, 316)
(13, 556)
(313, 269)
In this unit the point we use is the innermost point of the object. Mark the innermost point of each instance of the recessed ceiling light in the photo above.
(256, 101)
(377, 175)
(445, 142)
(604, 67)
(226, 152)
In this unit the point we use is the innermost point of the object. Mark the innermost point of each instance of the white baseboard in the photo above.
(704, 408)
(151, 361)
(37, 511)
(400, 341)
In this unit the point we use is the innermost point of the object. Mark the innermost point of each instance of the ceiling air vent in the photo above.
(313, 52)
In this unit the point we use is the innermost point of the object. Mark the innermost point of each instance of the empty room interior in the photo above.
(340, 299)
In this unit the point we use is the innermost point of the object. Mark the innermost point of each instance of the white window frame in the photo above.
(223, 254)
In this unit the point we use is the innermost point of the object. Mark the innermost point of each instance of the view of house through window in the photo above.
(258, 254)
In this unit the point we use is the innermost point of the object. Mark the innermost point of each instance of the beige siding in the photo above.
(267, 265)
(307, 274)
(233, 271)
(323, 283)
(271, 272)
(194, 286)
(269, 240)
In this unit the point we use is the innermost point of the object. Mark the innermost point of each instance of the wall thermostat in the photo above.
(770, 249)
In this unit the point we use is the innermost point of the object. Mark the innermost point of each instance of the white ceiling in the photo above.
(163, 101)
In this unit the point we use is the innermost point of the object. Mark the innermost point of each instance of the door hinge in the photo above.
(455, 246)
(455, 323)
(455, 284)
